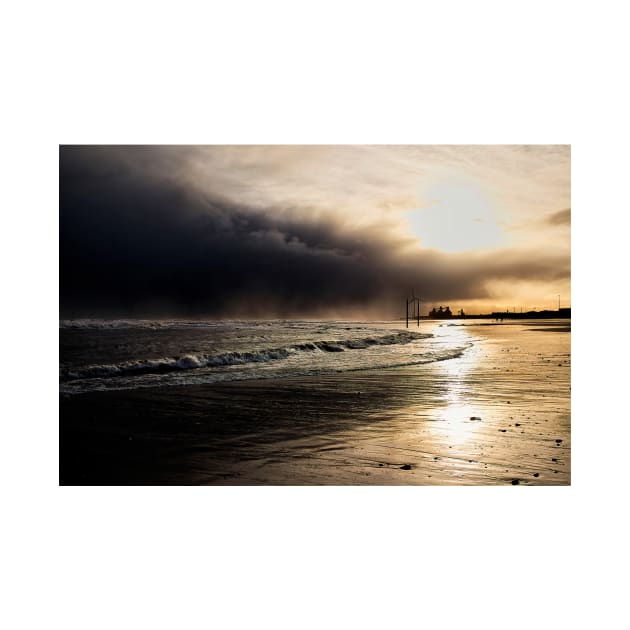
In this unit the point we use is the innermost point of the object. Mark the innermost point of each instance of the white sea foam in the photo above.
(193, 361)
(123, 354)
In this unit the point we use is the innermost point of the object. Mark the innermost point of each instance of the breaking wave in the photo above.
(196, 361)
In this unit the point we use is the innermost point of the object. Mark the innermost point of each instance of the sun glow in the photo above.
(459, 216)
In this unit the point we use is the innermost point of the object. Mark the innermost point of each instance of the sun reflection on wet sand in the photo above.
(459, 421)
(499, 414)
(459, 425)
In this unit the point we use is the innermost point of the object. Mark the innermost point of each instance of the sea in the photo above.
(119, 354)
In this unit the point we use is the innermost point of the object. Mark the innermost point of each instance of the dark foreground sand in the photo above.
(500, 414)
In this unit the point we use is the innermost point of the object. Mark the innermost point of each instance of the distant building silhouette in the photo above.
(441, 313)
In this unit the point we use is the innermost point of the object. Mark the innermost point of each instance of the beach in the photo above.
(496, 414)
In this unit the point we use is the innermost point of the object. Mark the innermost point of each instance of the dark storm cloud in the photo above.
(562, 217)
(137, 239)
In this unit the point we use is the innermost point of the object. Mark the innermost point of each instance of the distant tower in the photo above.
(415, 301)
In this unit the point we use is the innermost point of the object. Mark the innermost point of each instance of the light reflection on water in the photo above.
(515, 380)
(456, 426)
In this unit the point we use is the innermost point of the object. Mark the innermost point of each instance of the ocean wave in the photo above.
(158, 324)
(150, 324)
(154, 380)
(195, 361)
(429, 357)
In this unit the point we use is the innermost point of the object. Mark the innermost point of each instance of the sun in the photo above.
(459, 216)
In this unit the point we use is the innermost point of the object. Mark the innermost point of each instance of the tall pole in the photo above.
(407, 313)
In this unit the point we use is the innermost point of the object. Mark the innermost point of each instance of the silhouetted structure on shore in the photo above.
(415, 301)
(445, 313)
(441, 313)
(563, 313)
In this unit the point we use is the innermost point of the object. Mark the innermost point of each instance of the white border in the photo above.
(343, 72)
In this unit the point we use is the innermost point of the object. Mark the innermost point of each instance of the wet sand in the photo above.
(500, 414)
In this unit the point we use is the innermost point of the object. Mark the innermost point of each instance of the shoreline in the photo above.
(490, 417)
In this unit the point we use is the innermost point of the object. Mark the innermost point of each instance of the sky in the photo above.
(312, 231)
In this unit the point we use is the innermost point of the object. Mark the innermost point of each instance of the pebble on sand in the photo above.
(406, 467)
(515, 482)
(558, 441)
(475, 418)
(536, 475)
